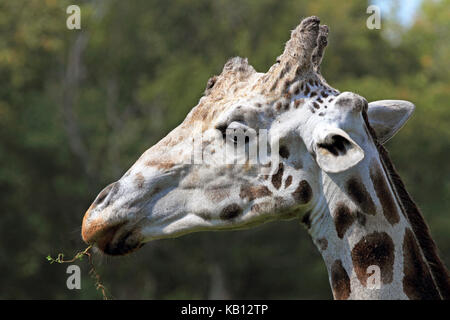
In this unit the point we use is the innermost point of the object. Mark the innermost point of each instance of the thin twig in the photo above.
(93, 272)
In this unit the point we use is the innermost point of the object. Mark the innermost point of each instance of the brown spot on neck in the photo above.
(340, 281)
(358, 193)
(343, 219)
(276, 178)
(384, 194)
(288, 182)
(303, 193)
(377, 249)
(230, 212)
(417, 282)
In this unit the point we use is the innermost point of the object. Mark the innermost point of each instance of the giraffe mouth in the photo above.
(118, 240)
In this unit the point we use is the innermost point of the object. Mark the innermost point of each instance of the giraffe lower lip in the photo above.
(126, 244)
(122, 250)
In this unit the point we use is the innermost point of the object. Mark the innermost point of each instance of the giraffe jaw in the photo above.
(119, 234)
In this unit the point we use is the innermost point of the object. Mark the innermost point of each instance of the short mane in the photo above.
(437, 268)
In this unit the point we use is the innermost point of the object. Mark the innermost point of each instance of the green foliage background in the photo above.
(77, 108)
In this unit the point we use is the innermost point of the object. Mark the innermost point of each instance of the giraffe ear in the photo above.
(335, 151)
(387, 117)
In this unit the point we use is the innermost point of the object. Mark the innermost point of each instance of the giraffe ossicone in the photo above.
(326, 167)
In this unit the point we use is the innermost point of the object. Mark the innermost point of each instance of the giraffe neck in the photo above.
(366, 224)
(369, 245)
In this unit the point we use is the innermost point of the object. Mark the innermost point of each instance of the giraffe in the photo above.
(328, 168)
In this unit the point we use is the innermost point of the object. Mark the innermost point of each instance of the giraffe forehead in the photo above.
(238, 81)
(240, 89)
(210, 112)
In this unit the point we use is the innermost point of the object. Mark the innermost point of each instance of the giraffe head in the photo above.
(253, 150)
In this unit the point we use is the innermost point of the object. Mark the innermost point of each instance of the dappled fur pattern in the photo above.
(414, 216)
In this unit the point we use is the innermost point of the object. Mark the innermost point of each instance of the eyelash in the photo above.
(223, 131)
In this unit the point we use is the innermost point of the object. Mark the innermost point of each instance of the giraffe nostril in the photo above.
(108, 192)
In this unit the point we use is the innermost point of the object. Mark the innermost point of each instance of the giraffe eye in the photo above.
(223, 130)
(233, 131)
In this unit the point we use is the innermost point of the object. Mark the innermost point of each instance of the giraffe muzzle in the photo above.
(102, 227)
(115, 239)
